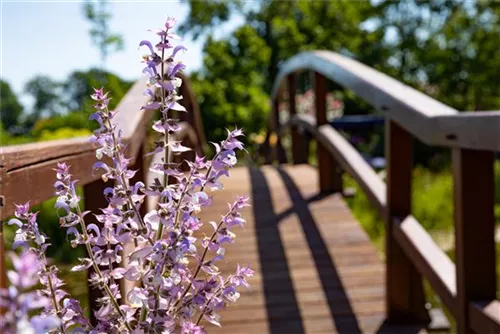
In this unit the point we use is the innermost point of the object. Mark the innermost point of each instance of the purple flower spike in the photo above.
(170, 23)
(148, 44)
(173, 264)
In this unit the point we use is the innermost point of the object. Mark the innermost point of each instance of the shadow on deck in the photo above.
(316, 269)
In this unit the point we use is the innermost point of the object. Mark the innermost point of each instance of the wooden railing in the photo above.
(468, 286)
(27, 171)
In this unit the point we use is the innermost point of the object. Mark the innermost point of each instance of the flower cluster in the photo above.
(173, 265)
(59, 312)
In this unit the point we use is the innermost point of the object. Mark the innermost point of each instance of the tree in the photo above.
(447, 49)
(10, 108)
(235, 83)
(80, 85)
(106, 42)
(45, 92)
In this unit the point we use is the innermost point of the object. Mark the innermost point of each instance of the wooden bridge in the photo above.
(316, 270)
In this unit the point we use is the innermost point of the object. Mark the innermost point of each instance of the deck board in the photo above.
(316, 269)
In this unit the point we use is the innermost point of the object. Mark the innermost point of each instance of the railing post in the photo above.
(280, 152)
(474, 187)
(300, 152)
(330, 177)
(405, 300)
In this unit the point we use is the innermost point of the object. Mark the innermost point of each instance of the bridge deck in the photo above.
(316, 269)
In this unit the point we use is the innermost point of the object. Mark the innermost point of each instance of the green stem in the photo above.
(167, 136)
(124, 183)
(98, 270)
(54, 300)
(198, 268)
(208, 302)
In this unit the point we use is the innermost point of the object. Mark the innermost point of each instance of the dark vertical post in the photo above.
(474, 187)
(93, 200)
(300, 144)
(280, 152)
(330, 177)
(405, 300)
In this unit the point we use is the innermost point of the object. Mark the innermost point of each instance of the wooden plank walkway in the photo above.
(316, 269)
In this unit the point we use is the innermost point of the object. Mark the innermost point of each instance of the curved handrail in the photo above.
(27, 170)
(431, 121)
(467, 286)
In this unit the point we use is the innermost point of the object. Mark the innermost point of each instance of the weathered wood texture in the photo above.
(405, 295)
(316, 269)
(300, 144)
(330, 177)
(474, 194)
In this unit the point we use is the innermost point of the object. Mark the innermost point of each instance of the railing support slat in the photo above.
(474, 187)
(279, 150)
(300, 144)
(330, 175)
(405, 300)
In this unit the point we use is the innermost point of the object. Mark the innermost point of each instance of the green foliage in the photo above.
(432, 196)
(97, 14)
(73, 94)
(447, 49)
(74, 120)
(236, 98)
(10, 108)
(6, 139)
(80, 84)
(364, 211)
(233, 88)
(62, 133)
(207, 14)
(45, 92)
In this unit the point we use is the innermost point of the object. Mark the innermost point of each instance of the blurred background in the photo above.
(54, 53)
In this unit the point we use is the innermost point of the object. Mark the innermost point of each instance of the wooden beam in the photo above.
(36, 182)
(474, 187)
(484, 316)
(330, 177)
(405, 300)
(429, 259)
(353, 163)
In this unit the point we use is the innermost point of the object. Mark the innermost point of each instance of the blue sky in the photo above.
(51, 38)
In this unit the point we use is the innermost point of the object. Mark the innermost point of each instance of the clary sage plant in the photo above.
(173, 265)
